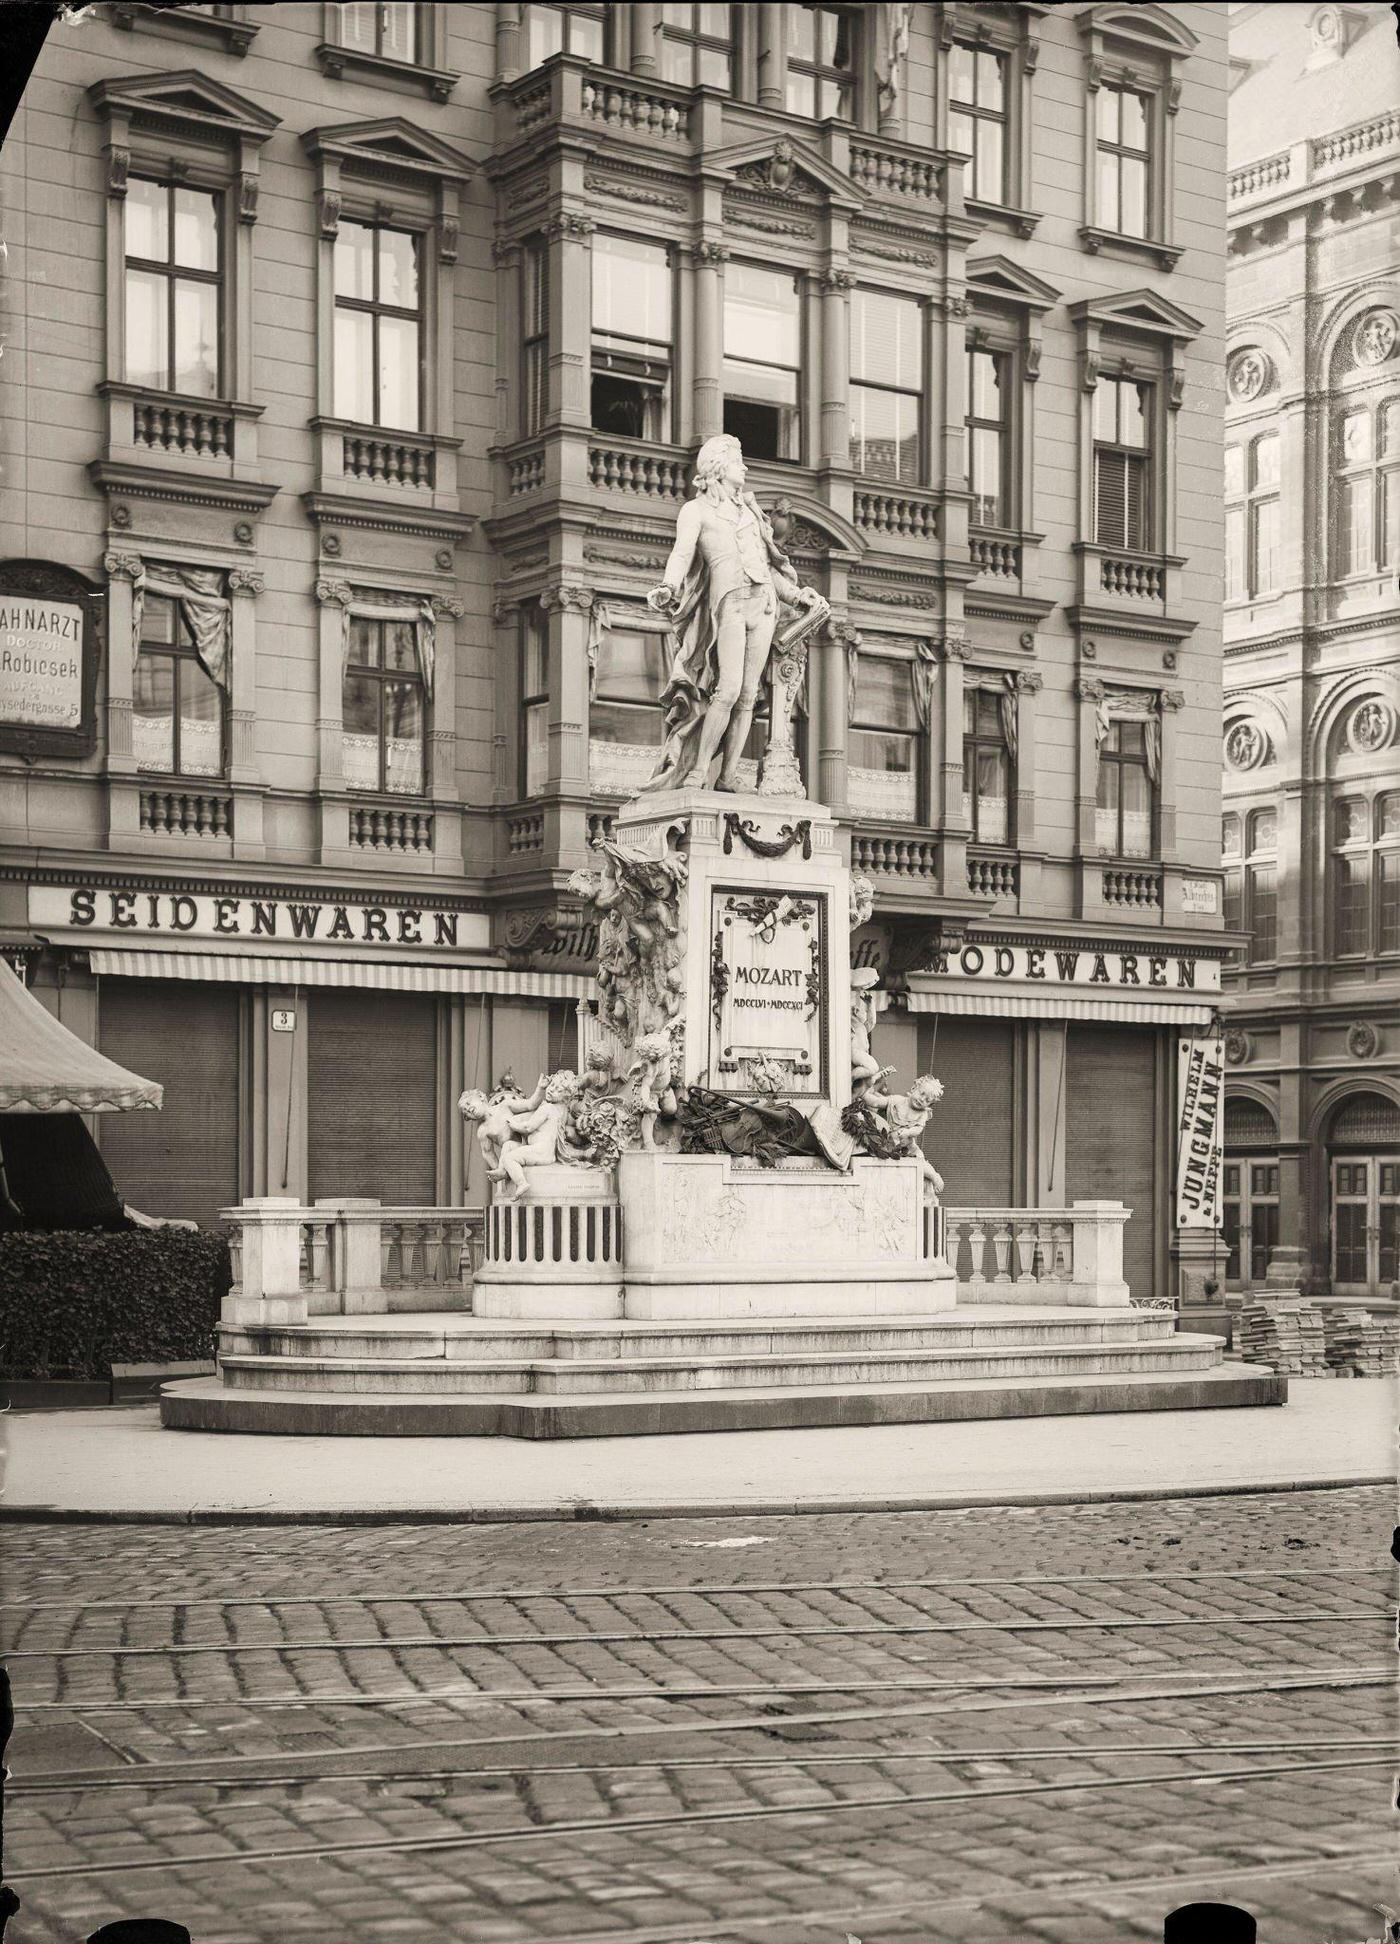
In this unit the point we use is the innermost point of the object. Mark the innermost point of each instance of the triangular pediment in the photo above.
(390, 141)
(785, 167)
(1138, 310)
(998, 277)
(185, 96)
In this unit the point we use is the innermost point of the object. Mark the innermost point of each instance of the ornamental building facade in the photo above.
(1311, 831)
(365, 353)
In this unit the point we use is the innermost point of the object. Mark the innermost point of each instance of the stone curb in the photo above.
(578, 1511)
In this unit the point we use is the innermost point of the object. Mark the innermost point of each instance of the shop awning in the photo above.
(1057, 1005)
(45, 1069)
(251, 968)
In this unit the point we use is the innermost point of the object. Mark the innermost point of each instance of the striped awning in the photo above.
(1038, 1005)
(255, 968)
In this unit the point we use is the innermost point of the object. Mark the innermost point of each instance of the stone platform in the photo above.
(451, 1375)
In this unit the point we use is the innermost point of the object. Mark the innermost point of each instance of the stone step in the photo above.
(204, 1404)
(637, 1375)
(482, 1339)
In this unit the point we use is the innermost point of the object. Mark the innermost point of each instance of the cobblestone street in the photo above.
(1054, 1723)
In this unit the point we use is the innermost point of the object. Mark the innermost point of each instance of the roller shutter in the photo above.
(1110, 1135)
(182, 1161)
(969, 1138)
(372, 1096)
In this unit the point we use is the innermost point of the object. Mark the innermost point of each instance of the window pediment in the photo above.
(389, 143)
(998, 277)
(1138, 310)
(787, 168)
(1151, 29)
(198, 106)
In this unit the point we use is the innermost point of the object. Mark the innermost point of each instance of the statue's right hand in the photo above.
(662, 599)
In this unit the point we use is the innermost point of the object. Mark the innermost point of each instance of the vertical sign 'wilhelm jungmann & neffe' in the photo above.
(1200, 1087)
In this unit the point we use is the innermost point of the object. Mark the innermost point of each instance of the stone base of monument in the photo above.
(557, 1253)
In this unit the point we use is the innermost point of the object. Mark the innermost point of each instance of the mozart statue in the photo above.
(726, 582)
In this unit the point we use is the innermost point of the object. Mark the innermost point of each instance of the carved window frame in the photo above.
(1141, 48)
(428, 74)
(226, 28)
(1009, 31)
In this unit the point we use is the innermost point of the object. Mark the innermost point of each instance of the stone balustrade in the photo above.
(1130, 575)
(194, 433)
(1360, 139)
(885, 170)
(877, 855)
(1133, 890)
(376, 828)
(186, 813)
(896, 516)
(525, 833)
(525, 472)
(346, 1256)
(390, 461)
(1265, 174)
(1069, 1255)
(994, 555)
(640, 470)
(993, 876)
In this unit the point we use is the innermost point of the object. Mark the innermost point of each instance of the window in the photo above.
(988, 473)
(1261, 886)
(177, 724)
(1124, 819)
(172, 288)
(534, 702)
(887, 387)
(378, 345)
(1366, 875)
(1251, 1218)
(1124, 156)
(1252, 518)
(762, 355)
(882, 771)
(987, 767)
(977, 119)
(384, 708)
(625, 724)
(631, 338)
(389, 30)
(1122, 457)
(1234, 883)
(534, 362)
(564, 30)
(697, 46)
(1368, 482)
(821, 78)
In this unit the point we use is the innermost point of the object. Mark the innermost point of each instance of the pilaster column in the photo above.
(1170, 703)
(123, 571)
(772, 56)
(1028, 683)
(569, 608)
(244, 586)
(646, 19)
(509, 40)
(831, 712)
(710, 259)
(1090, 691)
(506, 732)
(442, 754)
(570, 318)
(836, 369)
(953, 652)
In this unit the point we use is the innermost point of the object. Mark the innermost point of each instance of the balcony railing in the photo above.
(883, 169)
(190, 430)
(915, 859)
(1134, 890)
(638, 469)
(186, 813)
(379, 829)
(525, 833)
(896, 516)
(1069, 1255)
(525, 472)
(1361, 139)
(992, 554)
(390, 462)
(634, 109)
(1130, 574)
(1267, 174)
(994, 877)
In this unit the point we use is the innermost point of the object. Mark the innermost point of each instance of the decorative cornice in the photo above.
(343, 509)
(140, 482)
(620, 191)
(417, 891)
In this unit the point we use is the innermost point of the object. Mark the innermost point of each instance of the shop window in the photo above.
(988, 766)
(378, 338)
(821, 77)
(534, 358)
(1122, 464)
(978, 120)
(1365, 870)
(762, 360)
(178, 714)
(631, 386)
(697, 46)
(389, 29)
(625, 724)
(1367, 470)
(384, 708)
(534, 702)
(173, 288)
(1123, 142)
(1261, 885)
(1125, 816)
(988, 437)
(564, 30)
(887, 387)
(883, 757)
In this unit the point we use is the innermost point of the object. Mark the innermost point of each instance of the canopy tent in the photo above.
(45, 1069)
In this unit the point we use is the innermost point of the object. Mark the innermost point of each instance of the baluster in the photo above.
(1025, 1250)
(977, 1243)
(1001, 1245)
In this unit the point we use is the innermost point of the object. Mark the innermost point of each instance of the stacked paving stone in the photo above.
(1287, 1335)
(1360, 1344)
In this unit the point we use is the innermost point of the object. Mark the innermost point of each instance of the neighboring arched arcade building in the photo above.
(1311, 820)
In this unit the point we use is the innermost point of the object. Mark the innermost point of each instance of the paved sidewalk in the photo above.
(120, 1462)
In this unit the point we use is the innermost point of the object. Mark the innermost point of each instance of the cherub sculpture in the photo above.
(595, 1132)
(534, 1136)
(635, 896)
(904, 1117)
(651, 1084)
(494, 1111)
(866, 1070)
(862, 896)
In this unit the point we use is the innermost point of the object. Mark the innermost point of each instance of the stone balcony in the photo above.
(1125, 585)
(168, 444)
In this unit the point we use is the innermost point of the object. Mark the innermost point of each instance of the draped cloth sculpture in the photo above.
(725, 584)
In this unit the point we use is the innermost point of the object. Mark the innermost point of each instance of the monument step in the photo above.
(204, 1404)
(462, 1339)
(632, 1375)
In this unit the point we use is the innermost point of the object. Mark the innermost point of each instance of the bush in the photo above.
(74, 1302)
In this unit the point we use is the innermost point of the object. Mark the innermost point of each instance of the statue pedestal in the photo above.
(557, 1252)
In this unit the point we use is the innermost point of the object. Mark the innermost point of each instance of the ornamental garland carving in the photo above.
(602, 185)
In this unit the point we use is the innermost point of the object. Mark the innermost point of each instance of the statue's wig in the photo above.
(713, 457)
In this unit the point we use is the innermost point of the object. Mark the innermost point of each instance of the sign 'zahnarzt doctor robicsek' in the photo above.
(41, 662)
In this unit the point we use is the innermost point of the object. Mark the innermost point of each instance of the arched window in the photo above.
(1365, 856)
(1366, 447)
